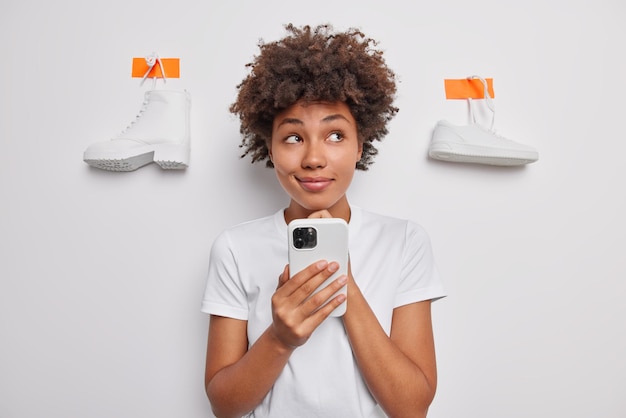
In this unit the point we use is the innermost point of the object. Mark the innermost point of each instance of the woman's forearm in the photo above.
(238, 388)
(396, 381)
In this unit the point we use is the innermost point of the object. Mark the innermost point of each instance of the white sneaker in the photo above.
(474, 143)
(159, 133)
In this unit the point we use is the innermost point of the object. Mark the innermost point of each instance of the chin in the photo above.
(315, 206)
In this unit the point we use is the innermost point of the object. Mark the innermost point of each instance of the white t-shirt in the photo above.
(392, 263)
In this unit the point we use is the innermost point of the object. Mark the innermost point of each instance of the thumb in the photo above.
(284, 276)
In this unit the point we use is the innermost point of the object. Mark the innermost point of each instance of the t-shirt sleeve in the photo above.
(224, 294)
(419, 275)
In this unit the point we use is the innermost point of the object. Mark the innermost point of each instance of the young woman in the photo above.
(311, 107)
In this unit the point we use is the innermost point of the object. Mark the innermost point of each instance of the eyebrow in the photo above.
(326, 119)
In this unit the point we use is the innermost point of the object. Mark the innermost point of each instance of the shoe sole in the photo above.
(480, 155)
(168, 157)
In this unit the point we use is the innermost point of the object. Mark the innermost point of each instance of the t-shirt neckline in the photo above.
(354, 225)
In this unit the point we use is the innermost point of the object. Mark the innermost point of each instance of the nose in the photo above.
(314, 155)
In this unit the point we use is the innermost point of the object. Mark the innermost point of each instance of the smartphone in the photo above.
(315, 239)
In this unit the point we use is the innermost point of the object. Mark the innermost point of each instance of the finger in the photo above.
(305, 274)
(324, 312)
(283, 277)
(320, 298)
(309, 285)
(321, 214)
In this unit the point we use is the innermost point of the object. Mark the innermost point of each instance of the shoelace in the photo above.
(144, 106)
(490, 104)
(152, 60)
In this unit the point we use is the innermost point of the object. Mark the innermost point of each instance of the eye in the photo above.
(293, 139)
(335, 137)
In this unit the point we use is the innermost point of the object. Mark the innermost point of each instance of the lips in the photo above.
(314, 184)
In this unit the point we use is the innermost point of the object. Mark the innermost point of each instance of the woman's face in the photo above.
(315, 148)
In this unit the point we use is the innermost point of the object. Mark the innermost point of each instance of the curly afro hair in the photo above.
(316, 64)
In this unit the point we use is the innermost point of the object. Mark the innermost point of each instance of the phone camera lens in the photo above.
(311, 238)
(305, 238)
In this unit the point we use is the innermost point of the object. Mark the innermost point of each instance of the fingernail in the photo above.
(343, 279)
(333, 267)
(321, 264)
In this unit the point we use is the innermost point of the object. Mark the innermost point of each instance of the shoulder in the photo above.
(391, 224)
(245, 232)
(250, 226)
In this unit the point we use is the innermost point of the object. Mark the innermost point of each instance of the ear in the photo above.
(359, 151)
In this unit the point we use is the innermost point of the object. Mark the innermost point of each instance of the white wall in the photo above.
(101, 273)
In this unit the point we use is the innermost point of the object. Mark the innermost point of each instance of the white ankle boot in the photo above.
(160, 133)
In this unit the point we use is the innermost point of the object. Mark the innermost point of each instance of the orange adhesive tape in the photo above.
(171, 66)
(465, 88)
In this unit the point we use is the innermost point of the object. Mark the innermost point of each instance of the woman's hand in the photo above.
(295, 313)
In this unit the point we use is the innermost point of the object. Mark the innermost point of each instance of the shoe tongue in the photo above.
(156, 95)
